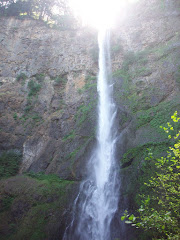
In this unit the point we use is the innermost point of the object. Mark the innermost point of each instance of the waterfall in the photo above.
(97, 201)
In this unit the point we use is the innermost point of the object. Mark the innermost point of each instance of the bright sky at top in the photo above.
(99, 13)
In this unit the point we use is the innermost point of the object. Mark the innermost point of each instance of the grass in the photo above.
(49, 179)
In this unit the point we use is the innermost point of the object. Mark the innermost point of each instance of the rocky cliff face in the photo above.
(47, 104)
(46, 78)
(48, 91)
(147, 87)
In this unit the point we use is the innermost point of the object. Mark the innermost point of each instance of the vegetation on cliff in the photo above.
(9, 163)
(39, 9)
(159, 200)
(32, 205)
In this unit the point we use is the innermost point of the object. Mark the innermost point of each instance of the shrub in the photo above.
(15, 116)
(59, 80)
(34, 88)
(9, 164)
(40, 77)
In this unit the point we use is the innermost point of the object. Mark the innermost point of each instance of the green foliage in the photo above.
(138, 170)
(90, 78)
(48, 178)
(134, 58)
(28, 107)
(13, 8)
(41, 9)
(21, 76)
(127, 91)
(83, 112)
(73, 154)
(122, 73)
(36, 118)
(70, 136)
(6, 203)
(15, 116)
(141, 151)
(130, 92)
(37, 220)
(9, 164)
(159, 211)
(80, 90)
(140, 72)
(157, 115)
(40, 77)
(45, 198)
(34, 88)
(91, 83)
(89, 86)
(60, 80)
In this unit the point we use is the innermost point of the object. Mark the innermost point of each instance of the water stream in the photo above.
(97, 201)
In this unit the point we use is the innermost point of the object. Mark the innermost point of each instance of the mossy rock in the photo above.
(32, 206)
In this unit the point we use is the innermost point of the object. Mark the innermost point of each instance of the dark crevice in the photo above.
(127, 164)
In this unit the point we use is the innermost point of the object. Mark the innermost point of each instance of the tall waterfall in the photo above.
(97, 201)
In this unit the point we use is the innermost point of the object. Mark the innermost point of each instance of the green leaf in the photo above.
(132, 218)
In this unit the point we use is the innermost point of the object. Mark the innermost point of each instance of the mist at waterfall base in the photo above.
(97, 201)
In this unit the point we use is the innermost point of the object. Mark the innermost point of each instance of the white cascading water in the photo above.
(97, 202)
